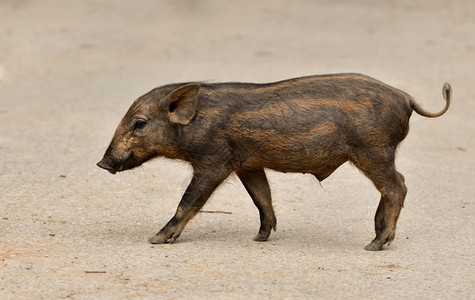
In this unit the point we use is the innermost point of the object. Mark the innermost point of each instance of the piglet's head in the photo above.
(148, 129)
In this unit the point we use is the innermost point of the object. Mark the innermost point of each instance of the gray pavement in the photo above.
(70, 69)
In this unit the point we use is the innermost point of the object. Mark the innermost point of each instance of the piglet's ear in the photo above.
(180, 104)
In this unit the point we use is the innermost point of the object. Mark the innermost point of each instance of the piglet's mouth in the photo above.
(113, 166)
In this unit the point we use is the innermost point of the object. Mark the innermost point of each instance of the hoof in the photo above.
(261, 237)
(157, 239)
(373, 247)
(264, 231)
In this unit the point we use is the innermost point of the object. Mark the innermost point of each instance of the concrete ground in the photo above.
(70, 69)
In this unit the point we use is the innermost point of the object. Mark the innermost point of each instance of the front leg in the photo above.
(199, 190)
(258, 188)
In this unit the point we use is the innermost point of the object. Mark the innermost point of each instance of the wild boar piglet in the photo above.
(307, 125)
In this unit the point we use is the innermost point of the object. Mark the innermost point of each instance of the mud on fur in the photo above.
(307, 125)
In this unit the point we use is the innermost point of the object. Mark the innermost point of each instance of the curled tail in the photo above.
(446, 92)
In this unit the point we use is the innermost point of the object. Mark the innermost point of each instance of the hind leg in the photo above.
(258, 188)
(378, 166)
(387, 213)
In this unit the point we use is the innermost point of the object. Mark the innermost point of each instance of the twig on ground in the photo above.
(216, 212)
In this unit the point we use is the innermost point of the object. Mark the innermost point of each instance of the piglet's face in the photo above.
(147, 129)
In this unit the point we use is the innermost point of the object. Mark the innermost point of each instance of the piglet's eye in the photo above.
(140, 124)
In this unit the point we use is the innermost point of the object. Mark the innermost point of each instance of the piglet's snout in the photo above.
(107, 164)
